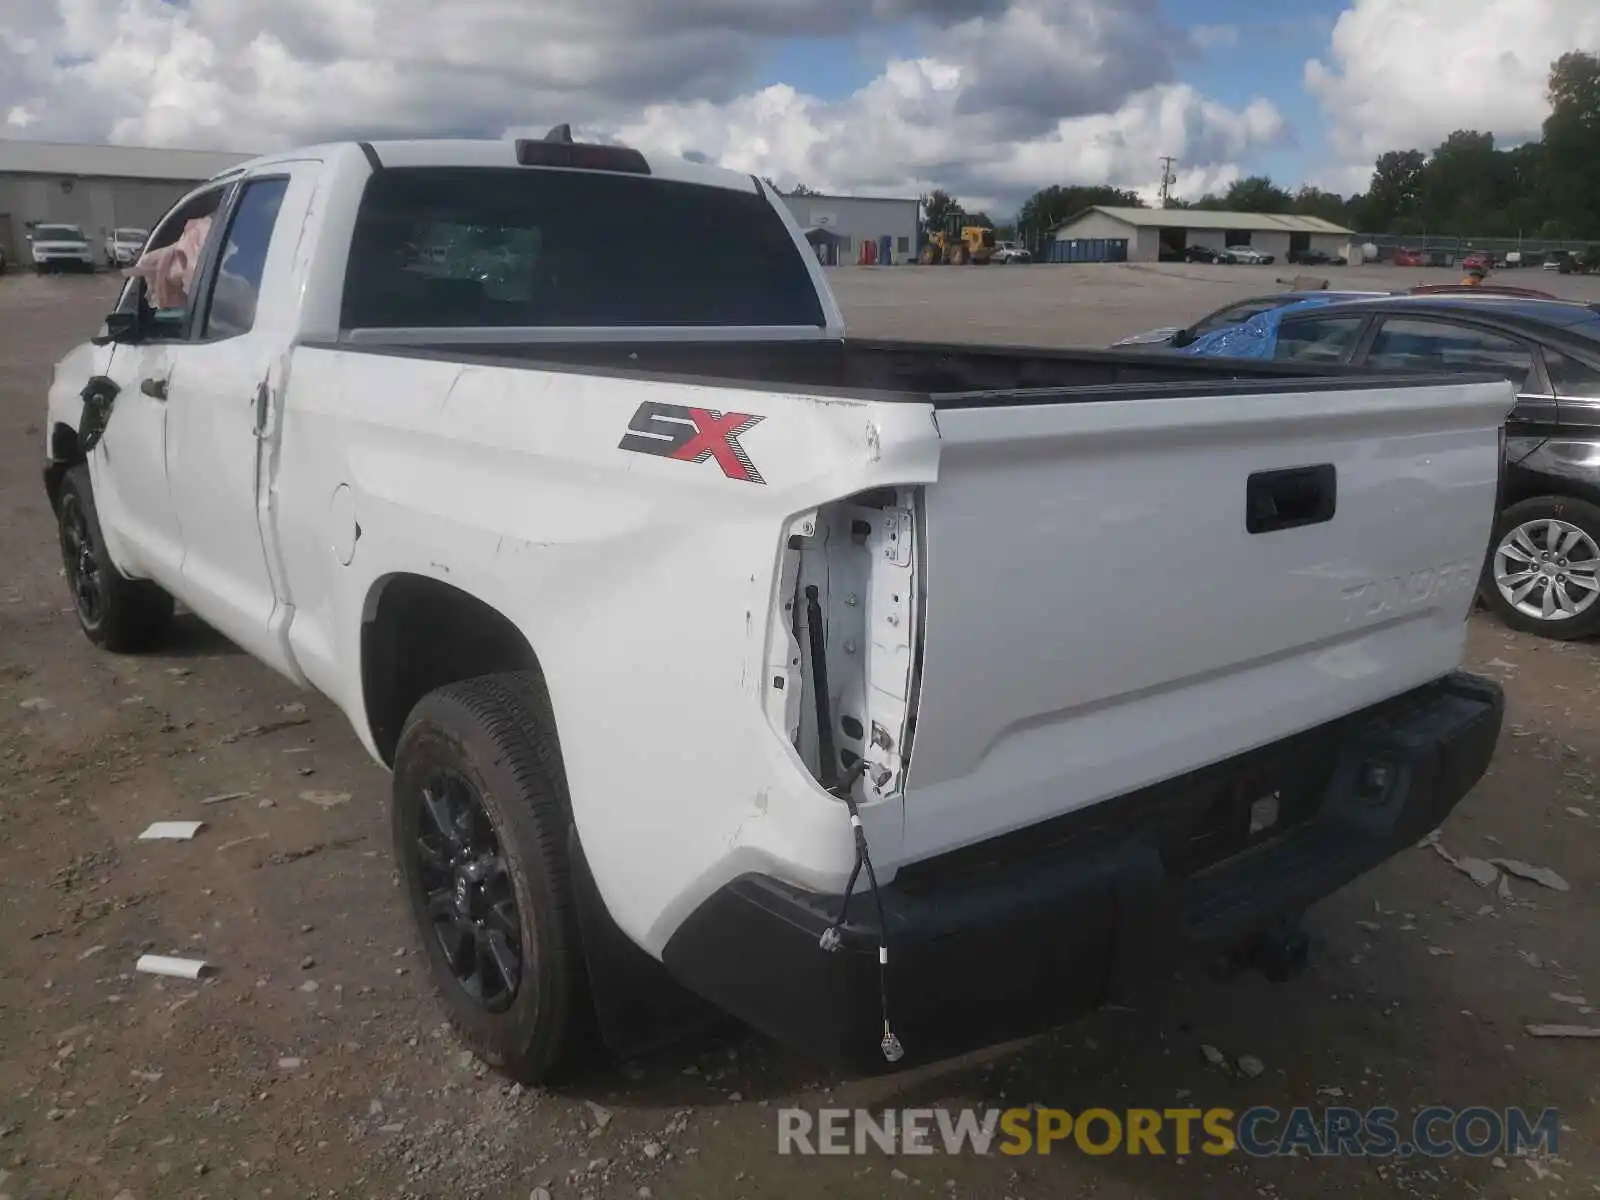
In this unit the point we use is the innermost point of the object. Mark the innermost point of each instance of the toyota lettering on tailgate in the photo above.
(693, 435)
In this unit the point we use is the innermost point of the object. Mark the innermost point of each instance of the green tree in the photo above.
(1256, 194)
(1572, 142)
(1314, 202)
(1396, 187)
(1466, 184)
(940, 210)
(1053, 206)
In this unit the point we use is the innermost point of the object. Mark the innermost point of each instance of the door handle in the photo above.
(154, 388)
(1291, 497)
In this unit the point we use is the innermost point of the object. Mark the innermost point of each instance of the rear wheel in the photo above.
(1543, 571)
(480, 819)
(120, 614)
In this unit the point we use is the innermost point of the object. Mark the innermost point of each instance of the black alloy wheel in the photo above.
(467, 891)
(78, 558)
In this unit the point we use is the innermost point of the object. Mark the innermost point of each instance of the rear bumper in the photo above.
(1027, 931)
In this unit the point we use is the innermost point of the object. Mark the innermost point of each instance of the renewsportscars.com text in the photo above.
(1261, 1132)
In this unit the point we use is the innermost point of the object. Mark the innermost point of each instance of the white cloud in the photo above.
(1001, 97)
(905, 133)
(1404, 74)
(1215, 37)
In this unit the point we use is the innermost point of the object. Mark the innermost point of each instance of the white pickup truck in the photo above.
(670, 607)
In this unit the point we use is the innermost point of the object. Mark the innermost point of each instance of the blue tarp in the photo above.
(1255, 338)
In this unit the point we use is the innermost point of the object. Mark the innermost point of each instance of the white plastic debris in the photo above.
(224, 797)
(1250, 1066)
(178, 968)
(176, 831)
(1564, 1031)
(1575, 1001)
(1480, 872)
(1213, 1056)
(1543, 876)
(325, 799)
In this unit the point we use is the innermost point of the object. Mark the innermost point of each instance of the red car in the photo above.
(1410, 258)
(1476, 258)
(1483, 289)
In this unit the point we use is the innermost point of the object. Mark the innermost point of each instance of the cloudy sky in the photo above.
(988, 98)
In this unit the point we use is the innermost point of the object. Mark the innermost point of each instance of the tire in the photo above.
(116, 613)
(496, 735)
(1566, 529)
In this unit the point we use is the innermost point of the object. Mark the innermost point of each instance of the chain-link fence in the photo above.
(1445, 250)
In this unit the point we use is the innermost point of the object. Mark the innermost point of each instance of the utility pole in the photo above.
(1167, 178)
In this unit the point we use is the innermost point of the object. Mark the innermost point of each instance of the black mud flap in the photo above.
(640, 1008)
(99, 394)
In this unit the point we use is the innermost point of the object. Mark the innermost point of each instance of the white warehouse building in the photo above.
(838, 226)
(1108, 234)
(97, 188)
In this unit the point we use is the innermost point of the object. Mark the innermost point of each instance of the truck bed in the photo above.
(953, 376)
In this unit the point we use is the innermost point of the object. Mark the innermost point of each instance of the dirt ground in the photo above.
(314, 1062)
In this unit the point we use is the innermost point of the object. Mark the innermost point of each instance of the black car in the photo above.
(1542, 572)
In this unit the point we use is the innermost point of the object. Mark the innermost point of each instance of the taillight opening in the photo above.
(862, 557)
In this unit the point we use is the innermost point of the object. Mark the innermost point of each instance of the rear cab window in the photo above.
(447, 247)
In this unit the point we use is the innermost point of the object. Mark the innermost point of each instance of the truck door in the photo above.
(128, 467)
(218, 450)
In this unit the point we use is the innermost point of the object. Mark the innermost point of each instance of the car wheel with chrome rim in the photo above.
(1543, 571)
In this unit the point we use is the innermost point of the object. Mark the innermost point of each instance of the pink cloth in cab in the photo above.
(170, 270)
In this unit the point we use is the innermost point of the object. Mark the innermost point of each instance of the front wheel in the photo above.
(480, 818)
(1543, 571)
(117, 613)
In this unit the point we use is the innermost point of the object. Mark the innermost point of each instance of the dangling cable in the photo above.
(832, 937)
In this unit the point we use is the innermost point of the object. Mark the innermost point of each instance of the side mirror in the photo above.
(121, 327)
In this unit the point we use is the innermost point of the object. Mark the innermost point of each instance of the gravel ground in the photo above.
(314, 1063)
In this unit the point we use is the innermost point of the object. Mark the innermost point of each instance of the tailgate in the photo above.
(1128, 585)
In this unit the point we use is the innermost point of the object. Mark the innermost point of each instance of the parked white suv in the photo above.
(59, 248)
(1009, 252)
(123, 245)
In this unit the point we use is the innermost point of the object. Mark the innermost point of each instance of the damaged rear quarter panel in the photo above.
(643, 583)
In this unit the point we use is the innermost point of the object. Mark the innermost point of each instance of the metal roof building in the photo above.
(97, 188)
(1161, 234)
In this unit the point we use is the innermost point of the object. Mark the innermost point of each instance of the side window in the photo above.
(1318, 339)
(237, 283)
(1570, 378)
(161, 281)
(1413, 344)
